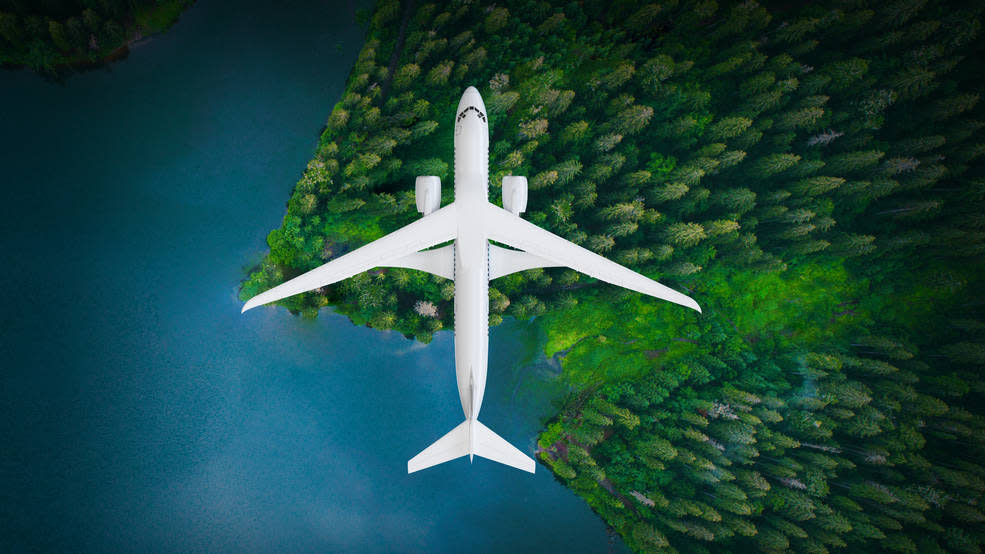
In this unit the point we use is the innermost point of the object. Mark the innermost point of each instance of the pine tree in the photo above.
(406, 75)
(773, 164)
(686, 234)
(497, 20)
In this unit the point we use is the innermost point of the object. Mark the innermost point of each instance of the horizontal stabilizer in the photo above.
(454, 444)
(482, 442)
(492, 446)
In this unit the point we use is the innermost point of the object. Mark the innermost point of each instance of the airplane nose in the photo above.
(471, 97)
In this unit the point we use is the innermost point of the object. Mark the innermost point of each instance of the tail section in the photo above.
(492, 446)
(472, 438)
(454, 444)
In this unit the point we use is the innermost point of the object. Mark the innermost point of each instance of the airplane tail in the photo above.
(472, 438)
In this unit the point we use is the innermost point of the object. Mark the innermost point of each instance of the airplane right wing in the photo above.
(503, 261)
(510, 229)
(394, 250)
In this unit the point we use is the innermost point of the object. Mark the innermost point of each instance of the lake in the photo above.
(141, 410)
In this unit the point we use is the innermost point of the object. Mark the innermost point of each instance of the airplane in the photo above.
(471, 221)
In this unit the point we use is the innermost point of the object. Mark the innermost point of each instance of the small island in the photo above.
(76, 33)
(811, 174)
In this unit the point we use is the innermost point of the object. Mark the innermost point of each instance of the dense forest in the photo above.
(812, 175)
(44, 34)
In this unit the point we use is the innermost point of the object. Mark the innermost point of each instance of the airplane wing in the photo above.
(507, 228)
(503, 261)
(390, 250)
(440, 261)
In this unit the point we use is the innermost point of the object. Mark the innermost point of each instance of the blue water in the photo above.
(140, 410)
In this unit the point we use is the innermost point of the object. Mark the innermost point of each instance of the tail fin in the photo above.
(470, 437)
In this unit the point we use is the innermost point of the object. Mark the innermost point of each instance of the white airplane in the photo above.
(471, 261)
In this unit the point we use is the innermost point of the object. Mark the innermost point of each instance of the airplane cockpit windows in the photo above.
(465, 112)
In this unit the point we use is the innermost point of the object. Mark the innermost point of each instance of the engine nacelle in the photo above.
(515, 194)
(428, 191)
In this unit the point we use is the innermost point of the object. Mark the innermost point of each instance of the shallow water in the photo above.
(141, 410)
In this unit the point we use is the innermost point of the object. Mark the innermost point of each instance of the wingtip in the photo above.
(691, 303)
(249, 305)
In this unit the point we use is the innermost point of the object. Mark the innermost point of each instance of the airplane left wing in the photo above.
(390, 250)
(510, 229)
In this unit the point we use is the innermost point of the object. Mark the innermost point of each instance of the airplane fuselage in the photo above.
(471, 252)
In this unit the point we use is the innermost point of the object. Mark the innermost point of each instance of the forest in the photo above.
(810, 174)
(46, 34)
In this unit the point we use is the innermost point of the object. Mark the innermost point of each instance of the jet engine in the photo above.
(515, 194)
(428, 191)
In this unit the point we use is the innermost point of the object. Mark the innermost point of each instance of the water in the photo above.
(141, 411)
